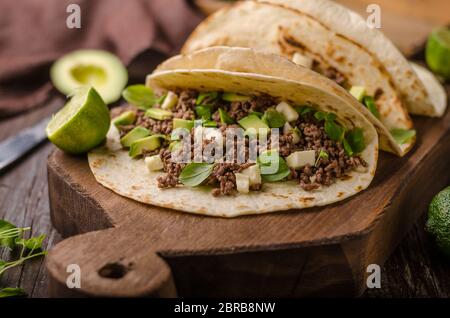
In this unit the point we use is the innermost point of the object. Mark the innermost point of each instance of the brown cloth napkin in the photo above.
(34, 33)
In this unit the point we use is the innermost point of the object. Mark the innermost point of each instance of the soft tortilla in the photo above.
(114, 169)
(331, 33)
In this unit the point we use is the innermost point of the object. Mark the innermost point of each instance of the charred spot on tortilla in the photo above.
(340, 194)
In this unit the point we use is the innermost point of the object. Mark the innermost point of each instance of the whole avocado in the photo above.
(438, 223)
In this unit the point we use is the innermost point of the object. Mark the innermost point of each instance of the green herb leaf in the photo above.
(161, 99)
(140, 96)
(355, 139)
(303, 110)
(269, 158)
(204, 111)
(320, 116)
(8, 234)
(403, 136)
(369, 102)
(195, 173)
(274, 119)
(225, 118)
(209, 97)
(334, 130)
(34, 243)
(322, 154)
(11, 292)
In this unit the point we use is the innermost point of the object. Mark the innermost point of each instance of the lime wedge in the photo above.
(437, 52)
(81, 124)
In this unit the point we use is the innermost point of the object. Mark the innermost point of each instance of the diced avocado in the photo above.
(273, 118)
(149, 143)
(358, 92)
(183, 123)
(154, 163)
(126, 118)
(170, 101)
(253, 121)
(254, 174)
(242, 183)
(302, 60)
(370, 104)
(158, 113)
(133, 135)
(299, 159)
(290, 114)
(232, 97)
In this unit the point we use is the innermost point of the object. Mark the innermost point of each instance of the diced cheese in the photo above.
(302, 60)
(299, 159)
(359, 92)
(170, 101)
(154, 163)
(254, 174)
(288, 111)
(242, 183)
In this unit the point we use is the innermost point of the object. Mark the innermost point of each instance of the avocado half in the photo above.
(100, 69)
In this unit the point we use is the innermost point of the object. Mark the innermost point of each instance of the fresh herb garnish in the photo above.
(267, 161)
(195, 173)
(209, 97)
(225, 118)
(354, 142)
(204, 111)
(403, 136)
(12, 292)
(140, 95)
(303, 110)
(334, 130)
(11, 237)
(273, 118)
(369, 102)
(322, 155)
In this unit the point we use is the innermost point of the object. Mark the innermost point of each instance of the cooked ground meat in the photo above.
(313, 137)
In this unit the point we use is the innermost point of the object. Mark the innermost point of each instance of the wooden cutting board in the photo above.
(132, 249)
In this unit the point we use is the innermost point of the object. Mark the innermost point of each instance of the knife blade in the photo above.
(14, 147)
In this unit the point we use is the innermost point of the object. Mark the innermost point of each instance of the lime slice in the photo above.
(437, 52)
(99, 69)
(81, 124)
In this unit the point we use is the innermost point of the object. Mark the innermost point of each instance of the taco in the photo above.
(335, 42)
(324, 151)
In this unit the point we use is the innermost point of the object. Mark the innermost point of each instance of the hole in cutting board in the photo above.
(113, 270)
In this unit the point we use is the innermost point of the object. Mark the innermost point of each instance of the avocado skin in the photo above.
(438, 223)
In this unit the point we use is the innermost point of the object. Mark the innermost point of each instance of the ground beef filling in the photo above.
(313, 137)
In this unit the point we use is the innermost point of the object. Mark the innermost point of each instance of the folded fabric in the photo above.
(34, 33)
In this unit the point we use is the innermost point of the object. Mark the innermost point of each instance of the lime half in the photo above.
(81, 124)
(99, 69)
(438, 52)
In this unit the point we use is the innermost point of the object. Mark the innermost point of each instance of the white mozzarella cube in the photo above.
(254, 174)
(302, 60)
(154, 163)
(170, 101)
(299, 159)
(288, 111)
(242, 183)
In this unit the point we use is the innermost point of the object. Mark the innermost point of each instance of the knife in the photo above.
(14, 147)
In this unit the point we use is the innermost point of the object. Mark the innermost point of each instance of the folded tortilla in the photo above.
(114, 169)
(337, 39)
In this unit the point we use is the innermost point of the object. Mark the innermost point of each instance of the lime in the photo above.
(99, 69)
(81, 124)
(437, 52)
(438, 223)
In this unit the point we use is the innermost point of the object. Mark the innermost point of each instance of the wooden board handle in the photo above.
(109, 267)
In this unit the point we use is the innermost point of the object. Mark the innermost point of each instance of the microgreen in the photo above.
(322, 155)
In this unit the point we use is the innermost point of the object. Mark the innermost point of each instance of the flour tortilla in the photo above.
(332, 34)
(114, 169)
